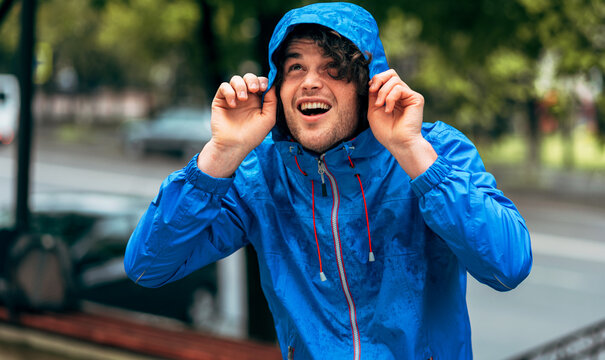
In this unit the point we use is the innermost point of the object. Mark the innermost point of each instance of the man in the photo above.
(364, 219)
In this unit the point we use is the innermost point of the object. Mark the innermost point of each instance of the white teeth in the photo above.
(314, 105)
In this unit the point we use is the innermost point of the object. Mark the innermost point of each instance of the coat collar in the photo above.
(362, 151)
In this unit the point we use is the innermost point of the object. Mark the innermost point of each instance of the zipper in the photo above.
(290, 352)
(321, 169)
(339, 261)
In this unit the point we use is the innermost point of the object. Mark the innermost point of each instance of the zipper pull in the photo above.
(321, 169)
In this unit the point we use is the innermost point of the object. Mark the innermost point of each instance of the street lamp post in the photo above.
(26, 57)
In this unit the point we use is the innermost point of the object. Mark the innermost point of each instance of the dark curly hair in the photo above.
(352, 65)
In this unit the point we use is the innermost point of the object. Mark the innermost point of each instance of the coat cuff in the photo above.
(205, 182)
(432, 177)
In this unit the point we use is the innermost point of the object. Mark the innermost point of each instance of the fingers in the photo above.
(238, 88)
(390, 93)
(227, 93)
(379, 79)
(255, 83)
(388, 89)
(250, 83)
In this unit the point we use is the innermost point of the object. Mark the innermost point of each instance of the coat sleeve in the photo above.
(193, 221)
(459, 201)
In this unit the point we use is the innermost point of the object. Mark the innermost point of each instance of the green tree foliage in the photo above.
(478, 62)
(481, 63)
(9, 38)
(467, 62)
(145, 38)
(113, 43)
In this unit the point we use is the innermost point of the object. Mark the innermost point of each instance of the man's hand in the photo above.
(395, 116)
(238, 122)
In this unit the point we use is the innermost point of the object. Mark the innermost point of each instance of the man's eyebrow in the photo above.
(292, 55)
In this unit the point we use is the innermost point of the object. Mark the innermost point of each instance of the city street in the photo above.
(564, 292)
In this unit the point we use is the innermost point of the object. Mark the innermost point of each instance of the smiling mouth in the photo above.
(313, 108)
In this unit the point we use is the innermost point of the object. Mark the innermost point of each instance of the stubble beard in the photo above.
(344, 129)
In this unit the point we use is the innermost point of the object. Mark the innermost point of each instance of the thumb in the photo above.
(372, 96)
(269, 103)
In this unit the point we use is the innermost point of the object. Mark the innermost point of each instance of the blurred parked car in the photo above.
(93, 229)
(180, 130)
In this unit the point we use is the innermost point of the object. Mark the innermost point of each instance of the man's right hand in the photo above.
(238, 122)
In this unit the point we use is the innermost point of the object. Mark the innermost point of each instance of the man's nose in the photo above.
(312, 81)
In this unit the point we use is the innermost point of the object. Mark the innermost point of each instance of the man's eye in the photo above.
(332, 69)
(295, 67)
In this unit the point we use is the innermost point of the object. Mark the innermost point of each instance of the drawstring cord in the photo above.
(322, 276)
(371, 257)
(292, 148)
(371, 254)
(296, 160)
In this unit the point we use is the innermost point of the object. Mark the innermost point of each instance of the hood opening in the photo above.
(353, 65)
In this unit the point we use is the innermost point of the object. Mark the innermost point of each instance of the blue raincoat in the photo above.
(356, 260)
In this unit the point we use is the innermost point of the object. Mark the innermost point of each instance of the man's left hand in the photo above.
(395, 117)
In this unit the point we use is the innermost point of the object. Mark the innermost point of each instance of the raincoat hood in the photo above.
(354, 23)
(349, 20)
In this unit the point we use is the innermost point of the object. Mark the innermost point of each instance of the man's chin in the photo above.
(313, 146)
(318, 147)
(320, 140)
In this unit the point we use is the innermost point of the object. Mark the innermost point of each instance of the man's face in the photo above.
(320, 111)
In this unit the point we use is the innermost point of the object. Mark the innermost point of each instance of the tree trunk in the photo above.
(213, 76)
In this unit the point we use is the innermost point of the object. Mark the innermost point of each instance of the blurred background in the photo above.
(120, 98)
